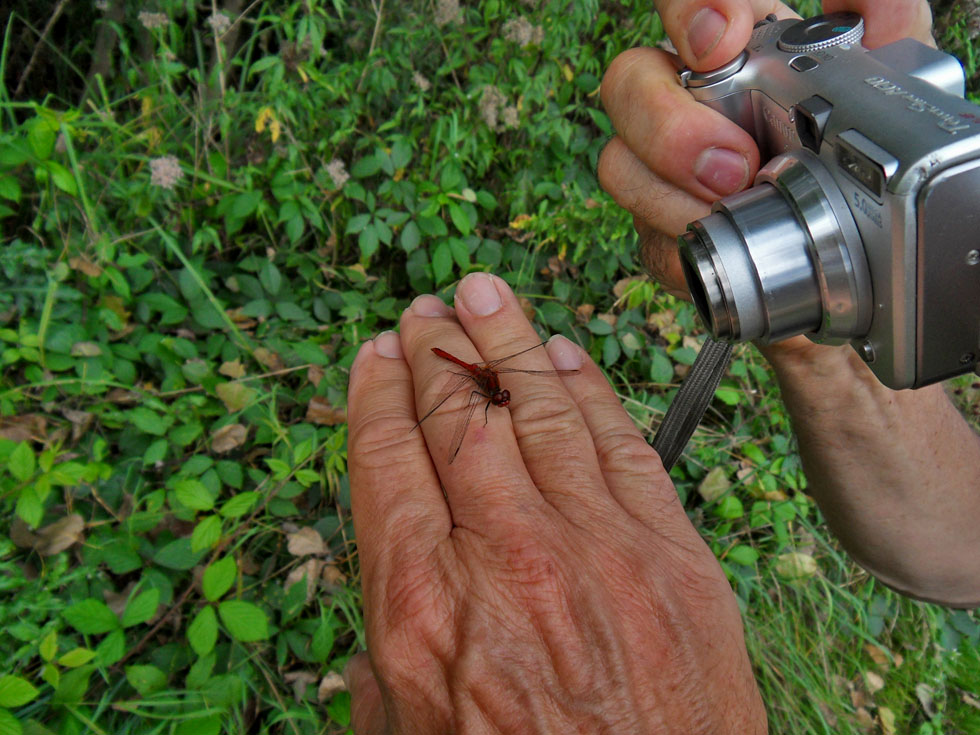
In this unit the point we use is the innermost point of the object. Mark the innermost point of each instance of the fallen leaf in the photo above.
(21, 535)
(795, 566)
(84, 265)
(608, 318)
(300, 680)
(584, 312)
(228, 437)
(692, 342)
(886, 719)
(623, 285)
(123, 396)
(319, 411)
(527, 307)
(30, 427)
(235, 396)
(314, 374)
(864, 718)
(268, 358)
(80, 422)
(714, 485)
(310, 570)
(58, 536)
(925, 693)
(878, 654)
(333, 576)
(233, 369)
(330, 684)
(305, 541)
(116, 601)
(873, 681)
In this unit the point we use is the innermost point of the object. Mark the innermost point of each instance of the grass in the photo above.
(201, 221)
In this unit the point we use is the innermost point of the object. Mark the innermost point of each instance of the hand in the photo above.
(548, 581)
(672, 156)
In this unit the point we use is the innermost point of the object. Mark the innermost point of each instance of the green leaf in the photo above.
(728, 396)
(141, 608)
(178, 555)
(599, 327)
(245, 621)
(30, 508)
(206, 533)
(442, 261)
(49, 646)
(41, 137)
(9, 188)
(729, 508)
(21, 462)
(9, 725)
(111, 649)
(146, 679)
(322, 641)
(411, 236)
(368, 241)
(91, 617)
(202, 633)
(194, 495)
(219, 577)
(77, 657)
(742, 554)
(242, 205)
(367, 166)
(460, 219)
(240, 504)
(270, 278)
(62, 177)
(150, 422)
(210, 725)
(15, 692)
(73, 685)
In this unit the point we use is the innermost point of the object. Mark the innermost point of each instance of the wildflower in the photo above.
(337, 172)
(490, 103)
(522, 32)
(152, 21)
(165, 172)
(219, 23)
(509, 117)
(447, 11)
(421, 82)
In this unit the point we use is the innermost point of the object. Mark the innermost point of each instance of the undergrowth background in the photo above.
(205, 209)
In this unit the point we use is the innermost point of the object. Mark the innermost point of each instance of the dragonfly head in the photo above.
(500, 398)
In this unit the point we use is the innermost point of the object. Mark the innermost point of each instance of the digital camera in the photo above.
(864, 227)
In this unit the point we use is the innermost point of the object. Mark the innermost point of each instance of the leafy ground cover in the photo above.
(205, 209)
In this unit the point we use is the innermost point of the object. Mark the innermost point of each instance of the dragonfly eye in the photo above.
(502, 398)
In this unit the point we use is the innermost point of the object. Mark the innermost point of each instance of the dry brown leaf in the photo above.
(873, 681)
(864, 718)
(116, 601)
(623, 285)
(925, 694)
(330, 684)
(305, 541)
(691, 342)
(80, 422)
(84, 265)
(333, 576)
(795, 566)
(886, 720)
(878, 654)
(86, 349)
(310, 570)
(268, 358)
(714, 485)
(314, 374)
(661, 320)
(971, 701)
(300, 680)
(584, 312)
(321, 412)
(30, 427)
(235, 396)
(609, 318)
(233, 369)
(122, 396)
(21, 535)
(228, 437)
(527, 307)
(58, 536)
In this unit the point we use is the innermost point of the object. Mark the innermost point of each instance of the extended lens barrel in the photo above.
(780, 259)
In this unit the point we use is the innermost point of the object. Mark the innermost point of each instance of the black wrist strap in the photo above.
(692, 400)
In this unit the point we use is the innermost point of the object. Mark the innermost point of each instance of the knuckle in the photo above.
(544, 415)
(378, 436)
(627, 450)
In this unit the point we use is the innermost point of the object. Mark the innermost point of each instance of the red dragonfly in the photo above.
(486, 376)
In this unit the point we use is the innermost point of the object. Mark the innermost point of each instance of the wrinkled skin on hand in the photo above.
(548, 581)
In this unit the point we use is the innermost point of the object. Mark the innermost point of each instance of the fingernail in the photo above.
(564, 355)
(707, 28)
(429, 305)
(479, 294)
(388, 344)
(722, 170)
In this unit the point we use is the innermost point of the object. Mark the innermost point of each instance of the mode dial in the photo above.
(822, 31)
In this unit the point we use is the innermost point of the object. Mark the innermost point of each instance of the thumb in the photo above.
(367, 711)
(890, 21)
(707, 33)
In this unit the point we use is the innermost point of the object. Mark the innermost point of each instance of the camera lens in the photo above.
(780, 259)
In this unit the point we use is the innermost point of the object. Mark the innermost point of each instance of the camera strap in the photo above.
(687, 409)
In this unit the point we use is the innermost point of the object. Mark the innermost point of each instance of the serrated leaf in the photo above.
(202, 633)
(15, 691)
(235, 396)
(49, 646)
(240, 504)
(411, 236)
(21, 462)
(194, 495)
(178, 555)
(442, 261)
(9, 725)
(91, 617)
(742, 554)
(111, 649)
(141, 608)
(460, 219)
(206, 533)
(219, 577)
(245, 621)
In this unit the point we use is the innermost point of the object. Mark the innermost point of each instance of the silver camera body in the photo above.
(864, 227)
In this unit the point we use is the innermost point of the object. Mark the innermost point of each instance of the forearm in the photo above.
(894, 472)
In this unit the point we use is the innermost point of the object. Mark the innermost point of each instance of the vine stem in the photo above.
(379, 9)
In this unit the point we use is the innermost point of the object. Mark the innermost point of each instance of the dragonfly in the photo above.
(486, 378)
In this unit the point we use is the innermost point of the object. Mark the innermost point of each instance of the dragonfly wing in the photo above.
(462, 422)
(494, 363)
(453, 386)
(546, 373)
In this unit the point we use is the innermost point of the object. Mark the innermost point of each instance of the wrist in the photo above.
(800, 362)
